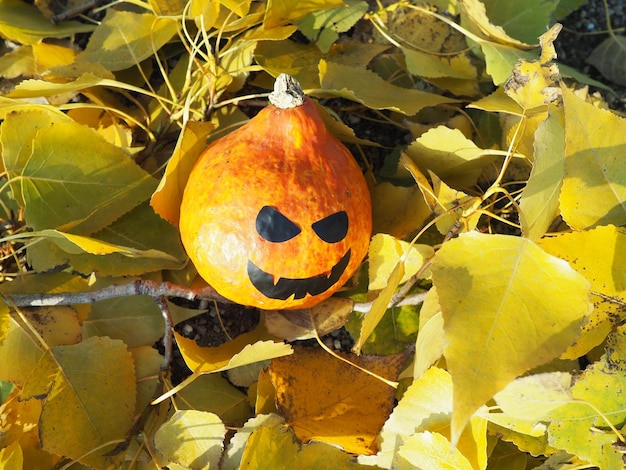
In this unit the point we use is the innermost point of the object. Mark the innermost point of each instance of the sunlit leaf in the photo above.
(534, 396)
(364, 86)
(236, 446)
(89, 391)
(427, 406)
(521, 311)
(450, 155)
(191, 438)
(36, 88)
(275, 446)
(582, 426)
(539, 204)
(11, 457)
(23, 23)
(429, 450)
(349, 406)
(280, 12)
(451, 207)
(500, 59)
(384, 253)
(600, 256)
(125, 39)
(474, 17)
(430, 338)
(594, 186)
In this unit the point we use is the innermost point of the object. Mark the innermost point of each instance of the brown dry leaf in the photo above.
(323, 398)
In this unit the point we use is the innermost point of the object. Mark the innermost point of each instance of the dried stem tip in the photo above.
(287, 92)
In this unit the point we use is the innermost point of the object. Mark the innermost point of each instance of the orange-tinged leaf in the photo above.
(275, 446)
(89, 392)
(600, 256)
(191, 438)
(323, 398)
(192, 141)
(594, 185)
(520, 312)
(57, 325)
(398, 210)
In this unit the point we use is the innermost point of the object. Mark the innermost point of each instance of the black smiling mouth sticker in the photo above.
(275, 227)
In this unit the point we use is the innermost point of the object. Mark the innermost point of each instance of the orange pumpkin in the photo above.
(277, 214)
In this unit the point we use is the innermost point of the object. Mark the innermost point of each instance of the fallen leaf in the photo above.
(323, 398)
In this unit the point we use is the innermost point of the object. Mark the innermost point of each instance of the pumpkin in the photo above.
(277, 214)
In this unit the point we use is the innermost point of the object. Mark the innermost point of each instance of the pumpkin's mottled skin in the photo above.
(287, 159)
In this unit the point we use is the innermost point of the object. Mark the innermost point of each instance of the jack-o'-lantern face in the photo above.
(277, 214)
(275, 227)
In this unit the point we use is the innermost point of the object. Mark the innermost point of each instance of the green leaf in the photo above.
(525, 21)
(539, 203)
(125, 39)
(364, 86)
(24, 23)
(68, 176)
(520, 312)
(609, 58)
(89, 392)
(582, 426)
(594, 186)
(323, 26)
(193, 439)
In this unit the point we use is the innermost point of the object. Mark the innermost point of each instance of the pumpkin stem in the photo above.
(287, 92)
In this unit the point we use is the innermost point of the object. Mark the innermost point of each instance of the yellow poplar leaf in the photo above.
(366, 87)
(398, 210)
(57, 325)
(594, 185)
(89, 392)
(36, 88)
(191, 438)
(379, 306)
(532, 397)
(323, 398)
(281, 12)
(11, 457)
(50, 55)
(498, 102)
(539, 204)
(430, 337)
(450, 155)
(24, 23)
(507, 307)
(451, 205)
(429, 450)
(474, 17)
(125, 38)
(5, 321)
(581, 427)
(600, 256)
(426, 405)
(167, 7)
(323, 318)
(191, 142)
(20, 352)
(384, 253)
(147, 362)
(247, 348)
(275, 446)
(237, 444)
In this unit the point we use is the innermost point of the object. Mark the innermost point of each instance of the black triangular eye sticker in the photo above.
(274, 226)
(332, 229)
